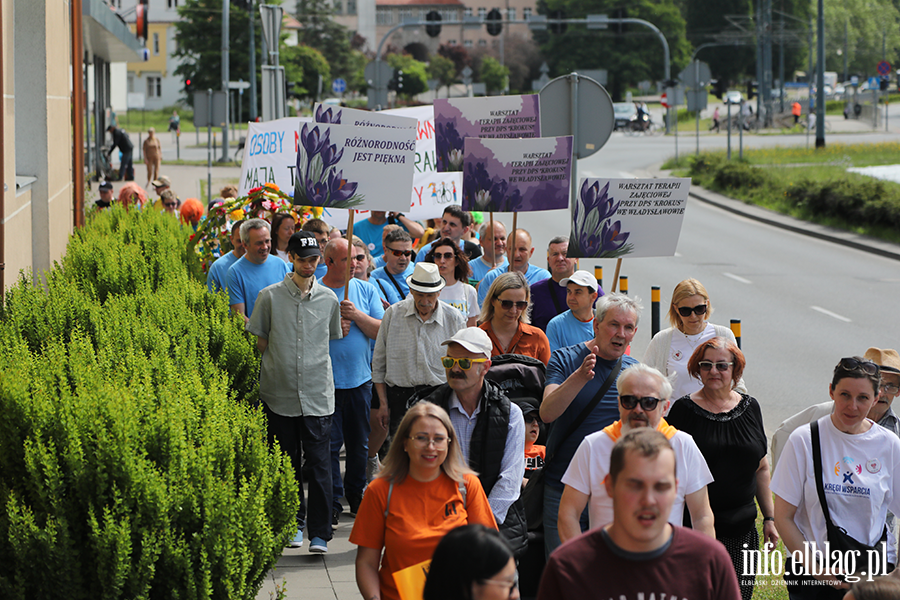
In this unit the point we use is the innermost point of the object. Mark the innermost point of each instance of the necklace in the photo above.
(693, 340)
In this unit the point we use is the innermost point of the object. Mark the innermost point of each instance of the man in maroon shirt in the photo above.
(639, 554)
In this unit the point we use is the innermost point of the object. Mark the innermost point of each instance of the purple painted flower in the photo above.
(340, 190)
(447, 141)
(312, 140)
(316, 193)
(613, 237)
(326, 116)
(331, 156)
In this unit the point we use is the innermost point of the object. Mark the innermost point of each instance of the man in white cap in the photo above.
(407, 355)
(576, 325)
(490, 430)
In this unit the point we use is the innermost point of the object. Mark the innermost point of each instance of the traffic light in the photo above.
(884, 83)
(494, 22)
(188, 85)
(396, 82)
(751, 90)
(433, 29)
(558, 27)
(619, 13)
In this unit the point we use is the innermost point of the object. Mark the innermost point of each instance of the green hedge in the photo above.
(132, 461)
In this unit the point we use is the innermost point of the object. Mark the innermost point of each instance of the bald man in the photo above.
(521, 253)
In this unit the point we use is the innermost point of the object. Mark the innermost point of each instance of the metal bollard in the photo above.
(654, 310)
(598, 273)
(623, 284)
(736, 330)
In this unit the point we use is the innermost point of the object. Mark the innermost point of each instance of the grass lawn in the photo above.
(796, 165)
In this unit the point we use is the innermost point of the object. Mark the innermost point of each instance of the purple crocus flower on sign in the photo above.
(326, 116)
(449, 146)
(594, 234)
(331, 156)
(318, 182)
(339, 188)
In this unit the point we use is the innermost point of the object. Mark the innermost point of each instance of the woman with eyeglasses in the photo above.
(728, 428)
(670, 349)
(364, 264)
(857, 479)
(472, 562)
(424, 490)
(505, 316)
(454, 268)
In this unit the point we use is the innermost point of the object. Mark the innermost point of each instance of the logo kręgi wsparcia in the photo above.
(851, 565)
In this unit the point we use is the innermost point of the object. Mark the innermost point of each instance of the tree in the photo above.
(523, 58)
(415, 79)
(494, 75)
(304, 65)
(457, 53)
(442, 69)
(869, 24)
(320, 31)
(628, 57)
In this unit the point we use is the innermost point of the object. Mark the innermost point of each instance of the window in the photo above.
(384, 17)
(351, 7)
(482, 11)
(451, 42)
(155, 44)
(338, 7)
(468, 11)
(467, 43)
(154, 86)
(526, 13)
(405, 14)
(511, 14)
(131, 83)
(482, 43)
(172, 3)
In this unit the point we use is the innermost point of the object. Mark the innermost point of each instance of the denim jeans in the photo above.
(315, 435)
(552, 496)
(350, 428)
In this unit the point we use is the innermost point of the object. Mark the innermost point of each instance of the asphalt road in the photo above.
(804, 303)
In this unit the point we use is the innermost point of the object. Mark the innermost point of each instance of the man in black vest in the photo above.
(490, 430)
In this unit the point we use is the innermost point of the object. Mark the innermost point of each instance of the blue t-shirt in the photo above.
(351, 356)
(246, 279)
(480, 268)
(565, 330)
(563, 363)
(381, 279)
(533, 275)
(216, 278)
(378, 262)
(372, 234)
(321, 269)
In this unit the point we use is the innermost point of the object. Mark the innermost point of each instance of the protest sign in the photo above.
(342, 115)
(612, 218)
(517, 175)
(493, 117)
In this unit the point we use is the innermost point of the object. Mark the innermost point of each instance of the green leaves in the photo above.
(132, 462)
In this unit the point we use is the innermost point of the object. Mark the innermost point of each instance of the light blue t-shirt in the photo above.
(382, 279)
(216, 278)
(371, 235)
(321, 269)
(533, 275)
(480, 268)
(246, 279)
(351, 356)
(565, 330)
(378, 262)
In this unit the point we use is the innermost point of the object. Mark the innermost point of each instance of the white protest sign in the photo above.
(613, 218)
(342, 115)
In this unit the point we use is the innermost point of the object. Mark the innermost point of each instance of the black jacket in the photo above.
(486, 448)
(121, 139)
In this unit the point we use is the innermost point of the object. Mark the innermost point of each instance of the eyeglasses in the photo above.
(512, 585)
(508, 304)
(648, 403)
(890, 388)
(464, 363)
(423, 441)
(406, 253)
(707, 365)
(853, 364)
(685, 311)
(444, 255)
(532, 417)
(170, 204)
(359, 257)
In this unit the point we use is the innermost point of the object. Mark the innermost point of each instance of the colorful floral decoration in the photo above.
(211, 238)
(319, 183)
(594, 233)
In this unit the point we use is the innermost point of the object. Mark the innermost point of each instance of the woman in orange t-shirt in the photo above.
(415, 500)
(505, 317)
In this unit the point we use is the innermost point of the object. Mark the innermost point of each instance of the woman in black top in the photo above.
(728, 428)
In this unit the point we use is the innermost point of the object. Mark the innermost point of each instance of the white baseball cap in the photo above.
(472, 339)
(581, 278)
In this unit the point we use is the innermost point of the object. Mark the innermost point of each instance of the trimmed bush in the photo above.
(133, 463)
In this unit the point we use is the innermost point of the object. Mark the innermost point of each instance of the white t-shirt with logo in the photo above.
(857, 476)
(590, 465)
(462, 297)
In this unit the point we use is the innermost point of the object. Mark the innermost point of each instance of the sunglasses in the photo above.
(359, 257)
(707, 365)
(444, 255)
(685, 311)
(406, 253)
(508, 304)
(866, 366)
(532, 417)
(464, 363)
(170, 204)
(647, 403)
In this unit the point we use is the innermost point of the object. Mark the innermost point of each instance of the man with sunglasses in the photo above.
(638, 553)
(643, 400)
(391, 278)
(455, 223)
(490, 429)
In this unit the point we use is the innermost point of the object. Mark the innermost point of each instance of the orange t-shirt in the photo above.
(535, 456)
(528, 340)
(420, 514)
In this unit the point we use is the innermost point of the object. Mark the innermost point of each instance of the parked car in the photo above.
(733, 97)
(624, 113)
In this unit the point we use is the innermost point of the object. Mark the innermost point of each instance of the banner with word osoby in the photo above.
(493, 117)
(612, 218)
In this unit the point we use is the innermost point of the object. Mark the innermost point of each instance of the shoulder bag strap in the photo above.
(396, 285)
(817, 466)
(591, 405)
